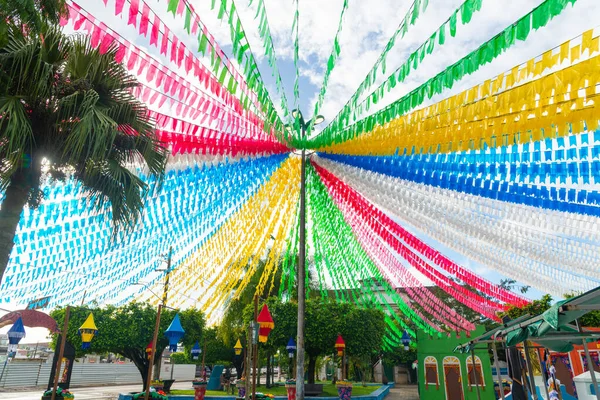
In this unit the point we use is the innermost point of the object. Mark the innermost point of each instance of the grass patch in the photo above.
(329, 390)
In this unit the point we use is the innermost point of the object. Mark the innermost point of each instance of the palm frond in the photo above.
(16, 136)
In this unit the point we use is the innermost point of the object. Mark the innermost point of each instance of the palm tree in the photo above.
(66, 112)
(28, 15)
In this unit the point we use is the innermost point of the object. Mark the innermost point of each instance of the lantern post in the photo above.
(291, 349)
(15, 334)
(340, 346)
(174, 333)
(61, 351)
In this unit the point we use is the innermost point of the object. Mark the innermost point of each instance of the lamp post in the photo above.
(303, 125)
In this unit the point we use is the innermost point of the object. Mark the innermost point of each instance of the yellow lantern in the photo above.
(87, 331)
(238, 348)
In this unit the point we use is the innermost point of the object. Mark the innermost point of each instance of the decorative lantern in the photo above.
(87, 331)
(405, 340)
(238, 348)
(340, 345)
(15, 334)
(174, 333)
(265, 323)
(196, 350)
(291, 347)
(149, 349)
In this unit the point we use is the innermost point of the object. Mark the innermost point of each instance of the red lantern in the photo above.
(149, 350)
(340, 345)
(265, 323)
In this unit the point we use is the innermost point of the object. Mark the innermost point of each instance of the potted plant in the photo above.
(344, 389)
(158, 385)
(60, 394)
(241, 386)
(290, 386)
(199, 386)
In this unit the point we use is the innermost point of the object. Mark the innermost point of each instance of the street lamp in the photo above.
(304, 125)
(297, 114)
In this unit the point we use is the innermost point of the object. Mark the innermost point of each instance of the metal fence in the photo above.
(32, 374)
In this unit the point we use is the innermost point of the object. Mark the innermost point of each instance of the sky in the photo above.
(366, 28)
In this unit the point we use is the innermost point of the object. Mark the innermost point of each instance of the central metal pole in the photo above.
(301, 277)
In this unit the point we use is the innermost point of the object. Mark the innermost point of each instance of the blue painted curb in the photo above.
(378, 394)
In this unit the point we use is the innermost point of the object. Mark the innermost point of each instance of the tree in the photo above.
(362, 328)
(511, 284)
(534, 308)
(128, 330)
(28, 15)
(66, 112)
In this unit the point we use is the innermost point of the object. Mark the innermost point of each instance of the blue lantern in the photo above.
(291, 347)
(196, 351)
(405, 340)
(15, 334)
(174, 333)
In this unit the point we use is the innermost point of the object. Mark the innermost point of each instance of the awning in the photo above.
(552, 329)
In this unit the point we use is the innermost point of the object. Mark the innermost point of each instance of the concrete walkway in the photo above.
(403, 393)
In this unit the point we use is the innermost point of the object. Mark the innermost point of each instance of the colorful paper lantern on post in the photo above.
(149, 349)
(291, 347)
(196, 351)
(87, 331)
(238, 348)
(174, 333)
(265, 323)
(405, 340)
(340, 345)
(15, 334)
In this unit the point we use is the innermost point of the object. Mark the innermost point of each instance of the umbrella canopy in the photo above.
(265, 323)
(174, 333)
(87, 331)
(15, 334)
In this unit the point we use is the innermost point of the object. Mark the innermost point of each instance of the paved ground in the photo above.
(83, 393)
(403, 393)
(112, 392)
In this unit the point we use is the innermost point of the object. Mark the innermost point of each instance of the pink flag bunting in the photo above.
(119, 6)
(144, 20)
(155, 30)
(133, 12)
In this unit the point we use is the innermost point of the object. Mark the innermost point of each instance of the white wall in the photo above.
(32, 374)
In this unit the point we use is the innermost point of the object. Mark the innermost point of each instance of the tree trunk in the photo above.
(238, 363)
(15, 199)
(312, 366)
(140, 359)
(268, 370)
